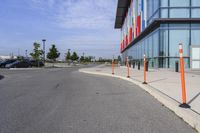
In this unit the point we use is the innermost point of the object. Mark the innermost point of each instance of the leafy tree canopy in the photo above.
(53, 53)
(82, 59)
(74, 56)
(37, 52)
(68, 55)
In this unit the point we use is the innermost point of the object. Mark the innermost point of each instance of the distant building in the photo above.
(156, 27)
(6, 57)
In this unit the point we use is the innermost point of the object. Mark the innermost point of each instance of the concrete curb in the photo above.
(189, 116)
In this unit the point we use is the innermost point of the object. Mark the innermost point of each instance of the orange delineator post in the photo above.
(128, 70)
(113, 67)
(184, 104)
(145, 70)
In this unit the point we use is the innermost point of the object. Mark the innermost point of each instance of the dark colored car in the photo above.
(4, 63)
(19, 64)
(35, 63)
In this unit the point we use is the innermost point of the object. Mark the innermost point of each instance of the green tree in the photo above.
(37, 52)
(53, 53)
(88, 59)
(82, 59)
(74, 56)
(21, 58)
(68, 56)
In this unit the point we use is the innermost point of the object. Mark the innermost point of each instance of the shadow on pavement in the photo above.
(1, 77)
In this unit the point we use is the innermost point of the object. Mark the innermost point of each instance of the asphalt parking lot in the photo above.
(63, 100)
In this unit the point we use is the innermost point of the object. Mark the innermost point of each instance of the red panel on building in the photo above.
(130, 35)
(123, 44)
(138, 25)
(126, 40)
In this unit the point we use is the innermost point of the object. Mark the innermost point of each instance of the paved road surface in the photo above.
(66, 101)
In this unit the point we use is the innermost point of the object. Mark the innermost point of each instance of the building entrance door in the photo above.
(195, 57)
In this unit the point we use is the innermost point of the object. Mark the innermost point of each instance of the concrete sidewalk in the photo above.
(164, 85)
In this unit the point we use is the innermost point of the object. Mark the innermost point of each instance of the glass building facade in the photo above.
(163, 25)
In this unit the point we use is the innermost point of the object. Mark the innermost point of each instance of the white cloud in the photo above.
(86, 14)
(93, 18)
(91, 14)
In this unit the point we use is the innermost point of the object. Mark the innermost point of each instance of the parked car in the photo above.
(35, 63)
(4, 63)
(19, 64)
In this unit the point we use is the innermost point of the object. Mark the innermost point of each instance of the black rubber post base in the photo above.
(184, 105)
(128, 76)
(144, 83)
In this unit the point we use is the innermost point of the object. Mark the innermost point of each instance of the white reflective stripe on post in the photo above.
(180, 46)
(181, 50)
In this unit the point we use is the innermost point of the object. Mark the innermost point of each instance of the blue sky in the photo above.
(81, 25)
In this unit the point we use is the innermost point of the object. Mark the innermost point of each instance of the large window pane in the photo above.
(164, 13)
(179, 3)
(164, 3)
(149, 9)
(142, 51)
(196, 13)
(195, 2)
(136, 47)
(146, 50)
(177, 25)
(150, 47)
(195, 26)
(155, 44)
(155, 5)
(179, 13)
(195, 39)
(176, 37)
(133, 52)
(163, 43)
(172, 62)
(139, 50)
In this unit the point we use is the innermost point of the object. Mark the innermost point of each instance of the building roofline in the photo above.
(122, 8)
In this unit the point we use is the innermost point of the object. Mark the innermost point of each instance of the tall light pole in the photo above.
(44, 40)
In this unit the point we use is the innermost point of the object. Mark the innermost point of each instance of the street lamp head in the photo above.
(43, 40)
